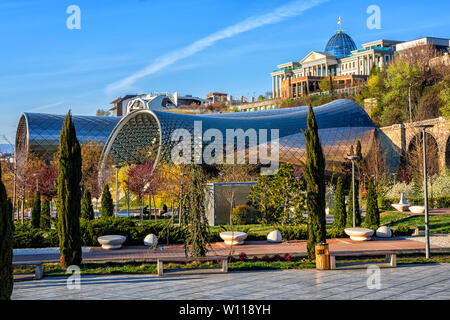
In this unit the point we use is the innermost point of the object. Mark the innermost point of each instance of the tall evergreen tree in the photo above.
(107, 209)
(36, 211)
(350, 207)
(45, 214)
(340, 214)
(314, 172)
(197, 237)
(87, 210)
(372, 219)
(6, 243)
(69, 194)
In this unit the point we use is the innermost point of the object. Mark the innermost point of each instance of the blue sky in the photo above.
(193, 47)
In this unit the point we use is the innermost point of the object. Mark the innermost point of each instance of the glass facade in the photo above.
(340, 45)
(39, 132)
(342, 123)
(146, 134)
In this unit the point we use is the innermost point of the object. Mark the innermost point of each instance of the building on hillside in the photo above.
(216, 97)
(152, 101)
(440, 46)
(349, 66)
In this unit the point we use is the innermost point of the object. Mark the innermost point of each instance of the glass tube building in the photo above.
(152, 135)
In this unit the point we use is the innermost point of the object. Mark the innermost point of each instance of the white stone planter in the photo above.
(359, 234)
(233, 237)
(417, 209)
(111, 242)
(274, 236)
(402, 205)
(383, 232)
(150, 240)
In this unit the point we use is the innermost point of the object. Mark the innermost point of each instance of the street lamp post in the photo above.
(117, 166)
(37, 180)
(353, 158)
(425, 189)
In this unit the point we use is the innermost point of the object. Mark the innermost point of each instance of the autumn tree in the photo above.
(141, 176)
(91, 153)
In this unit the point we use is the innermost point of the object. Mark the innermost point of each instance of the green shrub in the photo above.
(45, 215)
(385, 203)
(36, 211)
(294, 232)
(336, 232)
(107, 208)
(402, 230)
(241, 215)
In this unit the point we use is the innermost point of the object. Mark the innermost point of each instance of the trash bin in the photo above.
(322, 256)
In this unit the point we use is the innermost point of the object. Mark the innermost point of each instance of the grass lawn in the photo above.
(438, 223)
(134, 267)
(388, 216)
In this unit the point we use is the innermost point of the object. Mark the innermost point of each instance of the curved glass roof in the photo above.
(147, 135)
(39, 132)
(340, 45)
(342, 123)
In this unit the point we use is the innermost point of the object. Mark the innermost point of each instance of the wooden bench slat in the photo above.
(183, 259)
(26, 263)
(361, 253)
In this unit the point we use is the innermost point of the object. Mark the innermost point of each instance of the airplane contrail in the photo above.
(284, 12)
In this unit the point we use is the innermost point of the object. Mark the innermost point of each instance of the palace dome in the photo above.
(340, 45)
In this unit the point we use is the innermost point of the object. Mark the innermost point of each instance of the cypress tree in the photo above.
(314, 172)
(69, 194)
(45, 215)
(36, 211)
(340, 214)
(350, 207)
(6, 243)
(87, 210)
(107, 209)
(197, 238)
(372, 219)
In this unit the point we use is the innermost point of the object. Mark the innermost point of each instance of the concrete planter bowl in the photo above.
(359, 234)
(417, 209)
(233, 237)
(111, 242)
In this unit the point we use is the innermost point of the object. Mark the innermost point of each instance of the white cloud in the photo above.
(282, 13)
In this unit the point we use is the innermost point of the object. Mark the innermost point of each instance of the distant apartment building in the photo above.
(349, 66)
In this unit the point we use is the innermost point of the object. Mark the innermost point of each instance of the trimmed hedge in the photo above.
(433, 203)
(27, 237)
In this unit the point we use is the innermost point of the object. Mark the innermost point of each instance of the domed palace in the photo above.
(341, 59)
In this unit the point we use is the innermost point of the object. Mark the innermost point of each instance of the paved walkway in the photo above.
(251, 248)
(405, 282)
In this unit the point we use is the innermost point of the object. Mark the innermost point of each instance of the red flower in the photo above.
(287, 257)
(265, 258)
(276, 257)
(255, 258)
(242, 256)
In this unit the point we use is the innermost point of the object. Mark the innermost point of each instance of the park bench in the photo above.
(38, 271)
(391, 259)
(161, 261)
